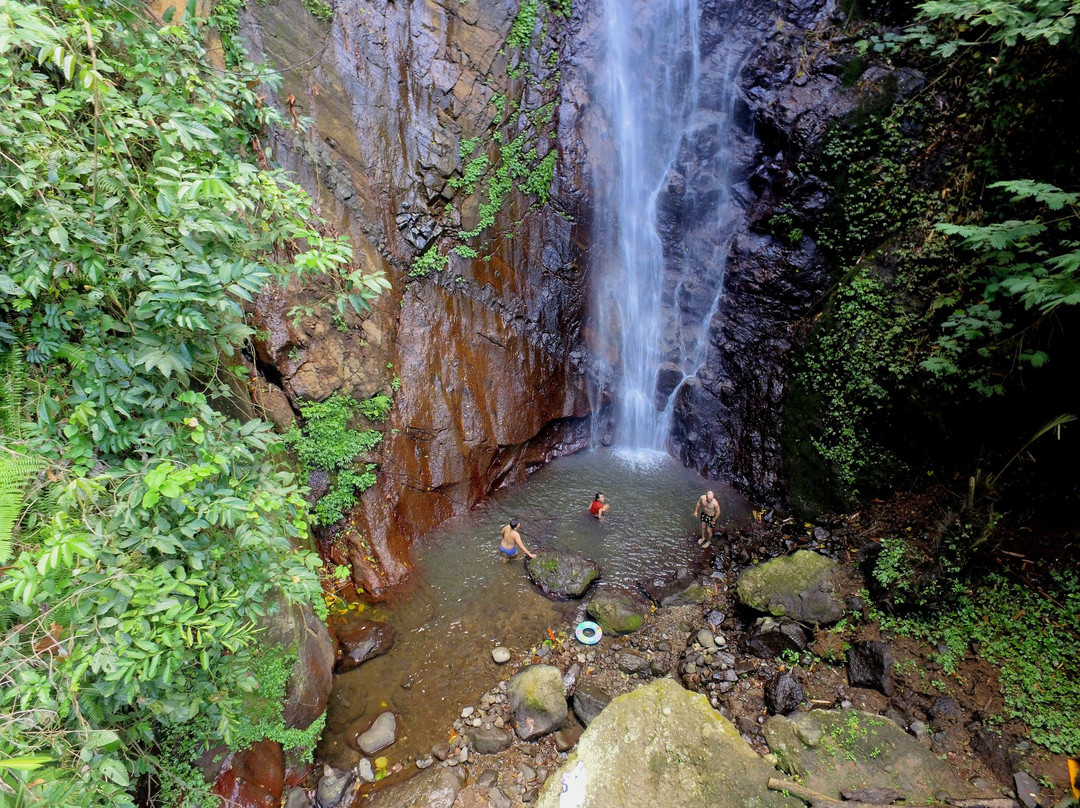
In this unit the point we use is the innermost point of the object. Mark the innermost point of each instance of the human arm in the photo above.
(524, 549)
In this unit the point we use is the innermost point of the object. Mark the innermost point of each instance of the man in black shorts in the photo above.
(708, 508)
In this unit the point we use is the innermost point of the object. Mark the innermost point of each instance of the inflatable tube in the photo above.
(588, 632)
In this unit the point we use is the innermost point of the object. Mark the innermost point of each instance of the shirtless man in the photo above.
(511, 541)
(708, 508)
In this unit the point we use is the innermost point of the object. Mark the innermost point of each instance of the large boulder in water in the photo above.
(804, 586)
(537, 701)
(562, 575)
(834, 750)
(361, 640)
(662, 745)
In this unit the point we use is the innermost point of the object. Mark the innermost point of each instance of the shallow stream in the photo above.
(464, 600)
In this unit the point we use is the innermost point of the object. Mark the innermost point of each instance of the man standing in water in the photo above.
(511, 541)
(708, 508)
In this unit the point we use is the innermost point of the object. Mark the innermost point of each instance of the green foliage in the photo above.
(784, 228)
(226, 18)
(521, 31)
(430, 261)
(319, 9)
(1030, 638)
(926, 574)
(376, 408)
(13, 378)
(866, 163)
(467, 147)
(1029, 263)
(851, 370)
(1004, 21)
(16, 471)
(268, 677)
(561, 7)
(327, 442)
(473, 173)
(136, 220)
(538, 181)
(465, 251)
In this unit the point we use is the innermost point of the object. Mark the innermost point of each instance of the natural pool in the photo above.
(464, 600)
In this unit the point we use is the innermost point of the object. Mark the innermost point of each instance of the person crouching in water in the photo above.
(598, 507)
(511, 541)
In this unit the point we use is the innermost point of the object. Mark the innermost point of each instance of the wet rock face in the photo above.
(487, 353)
(728, 419)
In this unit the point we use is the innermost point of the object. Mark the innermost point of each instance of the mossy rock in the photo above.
(804, 586)
(662, 745)
(831, 750)
(561, 576)
(537, 701)
(618, 611)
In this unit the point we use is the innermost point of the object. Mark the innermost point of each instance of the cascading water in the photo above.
(662, 292)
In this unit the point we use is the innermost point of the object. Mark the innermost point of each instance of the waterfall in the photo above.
(658, 306)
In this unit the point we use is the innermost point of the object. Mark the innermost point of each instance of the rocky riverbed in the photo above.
(811, 694)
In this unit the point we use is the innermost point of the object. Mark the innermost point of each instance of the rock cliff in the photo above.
(486, 351)
(499, 366)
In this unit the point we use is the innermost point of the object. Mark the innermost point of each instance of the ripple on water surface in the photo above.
(463, 600)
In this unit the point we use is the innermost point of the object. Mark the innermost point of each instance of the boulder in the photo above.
(294, 627)
(589, 700)
(562, 575)
(378, 736)
(537, 701)
(333, 786)
(618, 611)
(432, 788)
(662, 745)
(253, 777)
(803, 586)
(772, 643)
(783, 694)
(488, 741)
(870, 664)
(834, 750)
(361, 640)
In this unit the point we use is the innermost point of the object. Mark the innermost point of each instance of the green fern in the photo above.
(16, 470)
(12, 385)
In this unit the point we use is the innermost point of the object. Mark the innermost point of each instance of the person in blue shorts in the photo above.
(511, 541)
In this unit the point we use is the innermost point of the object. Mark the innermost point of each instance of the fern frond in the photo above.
(12, 385)
(16, 470)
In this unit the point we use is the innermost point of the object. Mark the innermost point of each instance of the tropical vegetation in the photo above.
(146, 524)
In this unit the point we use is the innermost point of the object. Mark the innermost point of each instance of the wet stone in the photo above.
(332, 787)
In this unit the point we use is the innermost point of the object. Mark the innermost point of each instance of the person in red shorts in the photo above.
(598, 507)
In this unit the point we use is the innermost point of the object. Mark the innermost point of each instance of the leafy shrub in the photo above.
(136, 218)
(326, 442)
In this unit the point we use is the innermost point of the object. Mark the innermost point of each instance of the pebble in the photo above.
(501, 655)
(705, 639)
(424, 762)
(467, 712)
(365, 770)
